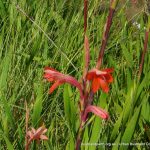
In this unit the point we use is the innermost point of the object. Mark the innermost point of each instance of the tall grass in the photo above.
(50, 33)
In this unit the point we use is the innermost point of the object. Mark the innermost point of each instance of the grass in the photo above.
(38, 34)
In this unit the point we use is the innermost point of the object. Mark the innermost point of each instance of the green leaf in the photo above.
(70, 144)
(38, 104)
(145, 111)
(116, 128)
(115, 145)
(143, 84)
(85, 139)
(129, 79)
(12, 14)
(8, 143)
(73, 109)
(2, 9)
(127, 136)
(95, 132)
(69, 107)
(5, 70)
(7, 110)
(66, 103)
(127, 55)
(129, 103)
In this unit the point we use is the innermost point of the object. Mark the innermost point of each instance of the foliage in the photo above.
(50, 33)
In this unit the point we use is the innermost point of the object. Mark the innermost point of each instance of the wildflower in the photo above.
(100, 79)
(58, 78)
(97, 111)
(37, 134)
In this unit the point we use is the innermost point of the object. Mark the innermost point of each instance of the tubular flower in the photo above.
(58, 78)
(37, 134)
(100, 79)
(97, 111)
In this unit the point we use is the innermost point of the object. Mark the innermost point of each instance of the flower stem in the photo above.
(27, 120)
(145, 47)
(80, 132)
(78, 142)
(108, 24)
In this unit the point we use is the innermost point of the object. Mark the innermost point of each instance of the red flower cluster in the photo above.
(99, 78)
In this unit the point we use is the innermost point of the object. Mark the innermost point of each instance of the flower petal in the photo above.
(37, 134)
(40, 130)
(104, 85)
(45, 130)
(95, 85)
(95, 72)
(33, 130)
(100, 72)
(30, 134)
(55, 85)
(97, 111)
(43, 137)
(49, 68)
(108, 78)
(90, 75)
(48, 77)
(108, 70)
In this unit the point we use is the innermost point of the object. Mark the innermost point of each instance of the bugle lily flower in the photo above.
(97, 111)
(37, 135)
(58, 78)
(100, 79)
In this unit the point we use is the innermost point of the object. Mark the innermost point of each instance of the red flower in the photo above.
(97, 111)
(58, 78)
(100, 79)
(37, 134)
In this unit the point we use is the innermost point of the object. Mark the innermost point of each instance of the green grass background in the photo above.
(50, 33)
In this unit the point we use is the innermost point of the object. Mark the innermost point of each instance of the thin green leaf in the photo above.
(8, 143)
(127, 136)
(38, 104)
(116, 128)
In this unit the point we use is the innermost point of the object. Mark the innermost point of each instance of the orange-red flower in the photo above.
(97, 111)
(37, 134)
(58, 78)
(100, 79)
